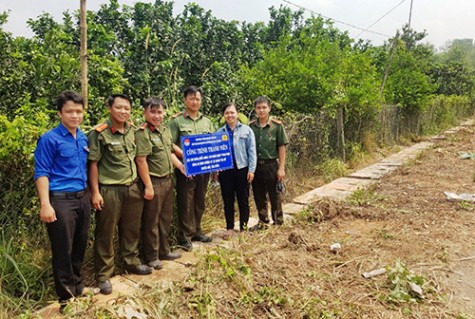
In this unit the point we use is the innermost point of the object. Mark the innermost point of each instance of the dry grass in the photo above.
(403, 224)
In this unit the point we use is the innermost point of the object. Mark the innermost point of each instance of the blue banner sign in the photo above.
(206, 153)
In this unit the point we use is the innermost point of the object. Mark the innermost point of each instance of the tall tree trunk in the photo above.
(83, 18)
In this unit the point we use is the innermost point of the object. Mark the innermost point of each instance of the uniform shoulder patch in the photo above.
(143, 126)
(176, 115)
(101, 127)
(277, 121)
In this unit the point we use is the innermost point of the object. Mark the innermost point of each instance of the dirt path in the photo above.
(402, 219)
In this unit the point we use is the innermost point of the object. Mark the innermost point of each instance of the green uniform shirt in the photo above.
(156, 144)
(269, 138)
(114, 152)
(182, 124)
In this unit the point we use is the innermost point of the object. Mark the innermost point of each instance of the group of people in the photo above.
(125, 174)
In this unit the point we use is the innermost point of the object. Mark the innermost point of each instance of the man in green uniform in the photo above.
(155, 162)
(191, 192)
(115, 192)
(271, 141)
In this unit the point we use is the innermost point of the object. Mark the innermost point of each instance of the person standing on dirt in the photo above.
(115, 192)
(61, 180)
(155, 162)
(191, 192)
(235, 182)
(271, 141)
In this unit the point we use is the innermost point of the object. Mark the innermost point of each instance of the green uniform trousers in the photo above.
(265, 181)
(122, 209)
(191, 195)
(157, 219)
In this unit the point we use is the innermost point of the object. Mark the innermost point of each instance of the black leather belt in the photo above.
(68, 195)
(267, 161)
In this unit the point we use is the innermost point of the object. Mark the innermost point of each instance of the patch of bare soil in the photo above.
(404, 224)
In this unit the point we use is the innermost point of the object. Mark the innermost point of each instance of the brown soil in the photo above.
(290, 272)
(404, 224)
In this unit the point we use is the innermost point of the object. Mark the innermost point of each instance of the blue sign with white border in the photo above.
(205, 153)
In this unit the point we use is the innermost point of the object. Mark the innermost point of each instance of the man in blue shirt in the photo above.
(61, 180)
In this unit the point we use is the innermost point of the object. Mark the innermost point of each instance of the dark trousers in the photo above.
(69, 236)
(265, 180)
(190, 195)
(157, 218)
(234, 185)
(123, 209)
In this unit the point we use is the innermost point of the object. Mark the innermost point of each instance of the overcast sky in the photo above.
(444, 20)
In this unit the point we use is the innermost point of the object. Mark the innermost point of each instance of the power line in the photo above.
(335, 20)
(384, 15)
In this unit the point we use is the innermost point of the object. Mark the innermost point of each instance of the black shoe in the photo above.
(155, 264)
(170, 256)
(62, 306)
(105, 287)
(139, 269)
(202, 238)
(186, 246)
(259, 226)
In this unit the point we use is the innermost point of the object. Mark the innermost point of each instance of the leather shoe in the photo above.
(156, 264)
(202, 238)
(259, 226)
(186, 246)
(170, 256)
(139, 269)
(105, 287)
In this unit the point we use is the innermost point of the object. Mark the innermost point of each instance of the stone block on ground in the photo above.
(351, 184)
(293, 208)
(319, 193)
(467, 123)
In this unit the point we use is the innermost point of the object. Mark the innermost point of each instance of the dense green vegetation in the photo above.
(334, 92)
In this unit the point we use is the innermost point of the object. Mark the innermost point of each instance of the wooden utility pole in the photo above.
(83, 19)
(410, 15)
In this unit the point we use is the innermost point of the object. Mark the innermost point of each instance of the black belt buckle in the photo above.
(80, 194)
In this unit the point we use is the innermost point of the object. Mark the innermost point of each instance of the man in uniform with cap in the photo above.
(191, 192)
(271, 141)
(155, 162)
(115, 192)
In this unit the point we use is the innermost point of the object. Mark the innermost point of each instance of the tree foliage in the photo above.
(313, 72)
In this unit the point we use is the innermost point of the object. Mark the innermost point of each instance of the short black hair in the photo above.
(192, 89)
(152, 102)
(228, 105)
(112, 97)
(262, 99)
(66, 96)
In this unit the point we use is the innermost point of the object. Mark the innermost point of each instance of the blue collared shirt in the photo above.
(244, 146)
(62, 159)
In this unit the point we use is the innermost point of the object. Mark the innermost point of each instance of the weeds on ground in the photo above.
(466, 206)
(365, 197)
(404, 286)
(331, 169)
